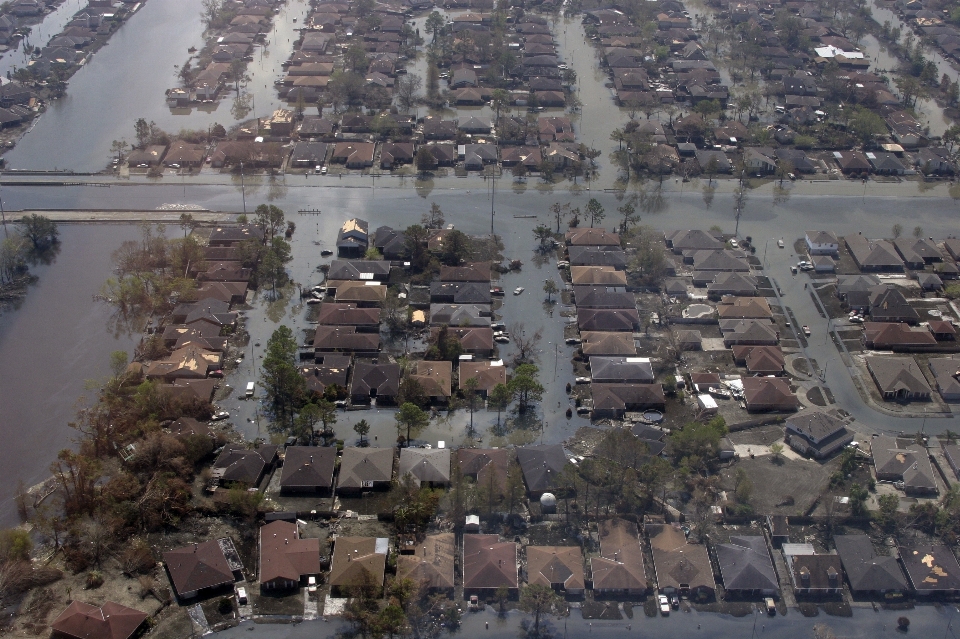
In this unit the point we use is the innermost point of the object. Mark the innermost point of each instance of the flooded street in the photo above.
(75, 134)
(40, 34)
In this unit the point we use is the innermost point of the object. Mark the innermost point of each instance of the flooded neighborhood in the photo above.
(406, 318)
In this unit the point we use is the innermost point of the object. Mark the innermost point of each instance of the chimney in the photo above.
(805, 576)
(832, 575)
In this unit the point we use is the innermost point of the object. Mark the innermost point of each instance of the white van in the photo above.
(249, 392)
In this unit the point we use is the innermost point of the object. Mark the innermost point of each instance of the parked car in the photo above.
(806, 330)
(664, 605)
(242, 596)
(311, 584)
(771, 606)
(675, 602)
(220, 415)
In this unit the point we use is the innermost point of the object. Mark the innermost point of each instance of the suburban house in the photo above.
(619, 569)
(202, 567)
(932, 569)
(472, 272)
(873, 255)
(334, 314)
(597, 276)
(681, 568)
(594, 343)
(615, 297)
(730, 283)
(866, 570)
(608, 319)
(308, 469)
(345, 339)
(744, 308)
(434, 378)
(591, 237)
(817, 434)
(353, 238)
(358, 270)
(768, 394)
(476, 340)
(460, 314)
(110, 621)
(813, 574)
(541, 466)
(427, 466)
(431, 564)
(358, 561)
(886, 304)
(896, 336)
(746, 566)
(898, 378)
(285, 559)
(489, 564)
(365, 469)
(374, 381)
(759, 360)
(614, 369)
(945, 371)
(749, 333)
(486, 466)
(614, 400)
(487, 373)
(597, 256)
(247, 466)
(556, 567)
(822, 243)
(910, 465)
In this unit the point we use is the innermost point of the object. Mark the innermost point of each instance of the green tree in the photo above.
(435, 23)
(415, 247)
(918, 232)
(433, 219)
(550, 288)
(470, 390)
(525, 387)
(697, 442)
(412, 419)
(500, 397)
(425, 160)
(595, 211)
(141, 130)
(539, 601)
(858, 500)
(270, 219)
(40, 231)
(361, 428)
(866, 125)
(543, 234)
(282, 382)
(897, 230)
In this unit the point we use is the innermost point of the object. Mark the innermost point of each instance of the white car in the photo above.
(223, 414)
(664, 605)
(311, 584)
(242, 596)
(734, 243)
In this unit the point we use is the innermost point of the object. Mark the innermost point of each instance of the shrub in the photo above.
(94, 579)
(225, 606)
(137, 558)
(903, 623)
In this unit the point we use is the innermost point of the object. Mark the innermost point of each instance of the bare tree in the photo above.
(527, 344)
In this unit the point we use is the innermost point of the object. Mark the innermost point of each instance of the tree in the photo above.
(776, 450)
(595, 211)
(499, 98)
(141, 130)
(897, 230)
(559, 211)
(282, 382)
(539, 600)
(411, 418)
(550, 288)
(361, 428)
(407, 87)
(470, 390)
(425, 160)
(187, 223)
(526, 344)
(270, 219)
(40, 231)
(500, 397)
(415, 246)
(866, 125)
(435, 23)
(629, 213)
(858, 500)
(525, 386)
(918, 232)
(118, 147)
(543, 234)
(433, 219)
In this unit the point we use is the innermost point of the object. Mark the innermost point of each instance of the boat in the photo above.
(518, 290)
(326, 253)
(780, 243)
(720, 392)
(503, 339)
(314, 300)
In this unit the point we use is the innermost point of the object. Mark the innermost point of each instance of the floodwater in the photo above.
(127, 78)
(57, 340)
(925, 620)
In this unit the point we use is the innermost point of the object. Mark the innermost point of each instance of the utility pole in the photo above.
(3, 215)
(493, 197)
(739, 196)
(243, 192)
